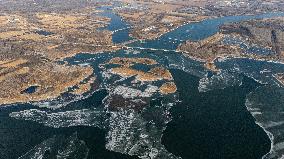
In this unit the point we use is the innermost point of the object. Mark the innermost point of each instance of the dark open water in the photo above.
(214, 124)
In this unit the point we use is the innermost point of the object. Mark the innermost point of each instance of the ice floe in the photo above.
(83, 117)
(59, 147)
(219, 81)
(130, 134)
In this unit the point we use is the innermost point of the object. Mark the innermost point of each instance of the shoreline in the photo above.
(269, 135)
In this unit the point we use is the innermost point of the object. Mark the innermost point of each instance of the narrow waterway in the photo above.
(196, 31)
